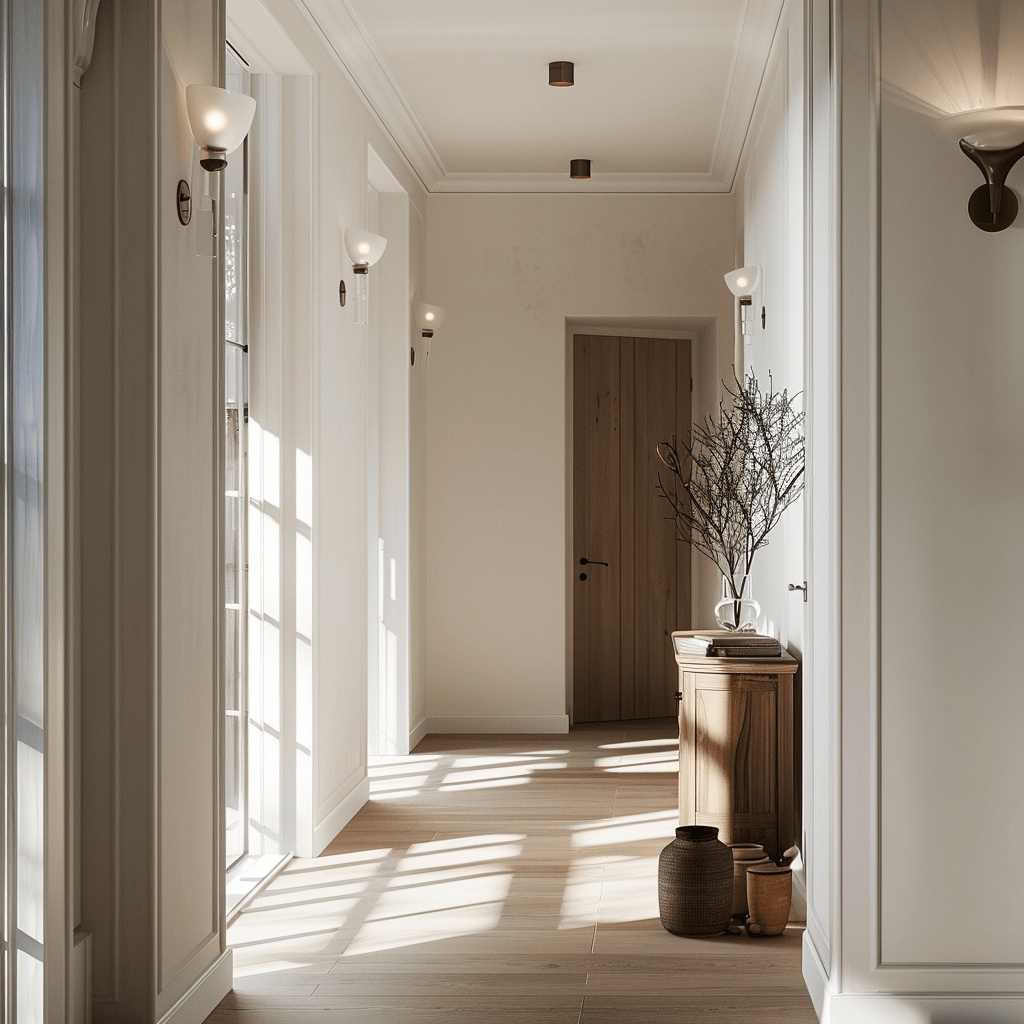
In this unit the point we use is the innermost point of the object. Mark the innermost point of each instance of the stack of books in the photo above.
(729, 645)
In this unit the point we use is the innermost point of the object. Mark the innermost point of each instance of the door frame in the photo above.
(702, 333)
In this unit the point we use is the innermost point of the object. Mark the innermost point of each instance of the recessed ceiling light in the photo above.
(560, 73)
(579, 168)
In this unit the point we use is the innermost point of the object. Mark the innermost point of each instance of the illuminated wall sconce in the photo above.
(994, 139)
(364, 249)
(219, 120)
(429, 319)
(744, 283)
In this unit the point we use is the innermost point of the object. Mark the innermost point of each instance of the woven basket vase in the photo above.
(695, 882)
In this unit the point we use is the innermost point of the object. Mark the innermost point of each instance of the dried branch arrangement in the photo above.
(735, 478)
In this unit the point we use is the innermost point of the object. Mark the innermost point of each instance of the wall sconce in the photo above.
(994, 139)
(364, 249)
(743, 283)
(429, 319)
(219, 120)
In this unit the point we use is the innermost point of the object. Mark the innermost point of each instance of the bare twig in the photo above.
(731, 483)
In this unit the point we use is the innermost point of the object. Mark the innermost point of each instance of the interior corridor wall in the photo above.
(932, 488)
(510, 269)
(770, 194)
(322, 382)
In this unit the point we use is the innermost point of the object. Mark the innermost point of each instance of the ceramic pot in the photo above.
(744, 855)
(769, 891)
(695, 882)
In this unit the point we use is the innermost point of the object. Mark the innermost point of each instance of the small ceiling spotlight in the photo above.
(579, 168)
(560, 73)
(219, 121)
(994, 139)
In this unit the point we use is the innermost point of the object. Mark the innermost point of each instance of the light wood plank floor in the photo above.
(507, 880)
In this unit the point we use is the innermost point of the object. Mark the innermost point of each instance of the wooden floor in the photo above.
(505, 880)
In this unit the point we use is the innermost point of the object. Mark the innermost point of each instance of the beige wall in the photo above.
(510, 270)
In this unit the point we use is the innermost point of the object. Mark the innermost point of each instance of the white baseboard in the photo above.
(885, 1008)
(202, 998)
(81, 978)
(340, 816)
(545, 725)
(417, 733)
(815, 977)
(975, 1007)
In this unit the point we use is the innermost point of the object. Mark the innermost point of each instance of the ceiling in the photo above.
(662, 102)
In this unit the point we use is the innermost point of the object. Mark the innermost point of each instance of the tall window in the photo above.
(5, 442)
(236, 415)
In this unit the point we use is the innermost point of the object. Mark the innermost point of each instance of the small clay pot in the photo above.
(744, 855)
(769, 891)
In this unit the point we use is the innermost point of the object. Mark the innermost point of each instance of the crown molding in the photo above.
(756, 37)
(364, 66)
(561, 182)
(367, 72)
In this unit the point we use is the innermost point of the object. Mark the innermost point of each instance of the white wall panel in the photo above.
(152, 861)
(188, 455)
(952, 487)
(931, 485)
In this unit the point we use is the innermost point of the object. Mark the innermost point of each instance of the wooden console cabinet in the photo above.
(736, 756)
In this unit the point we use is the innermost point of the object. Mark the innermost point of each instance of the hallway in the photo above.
(508, 879)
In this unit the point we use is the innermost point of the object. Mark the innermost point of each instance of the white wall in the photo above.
(510, 270)
(151, 411)
(328, 378)
(771, 190)
(152, 392)
(931, 552)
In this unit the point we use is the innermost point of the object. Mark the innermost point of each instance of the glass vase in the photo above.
(737, 609)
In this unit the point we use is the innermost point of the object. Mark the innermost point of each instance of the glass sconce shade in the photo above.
(743, 282)
(429, 318)
(219, 120)
(990, 128)
(364, 248)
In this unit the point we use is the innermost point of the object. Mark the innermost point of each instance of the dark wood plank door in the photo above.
(628, 394)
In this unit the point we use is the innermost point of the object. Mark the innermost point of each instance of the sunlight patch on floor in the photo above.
(425, 859)
(627, 829)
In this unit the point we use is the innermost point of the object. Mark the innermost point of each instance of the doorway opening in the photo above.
(632, 576)
(619, 664)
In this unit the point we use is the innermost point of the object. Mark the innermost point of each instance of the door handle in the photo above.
(588, 561)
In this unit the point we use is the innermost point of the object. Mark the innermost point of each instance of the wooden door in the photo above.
(628, 394)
